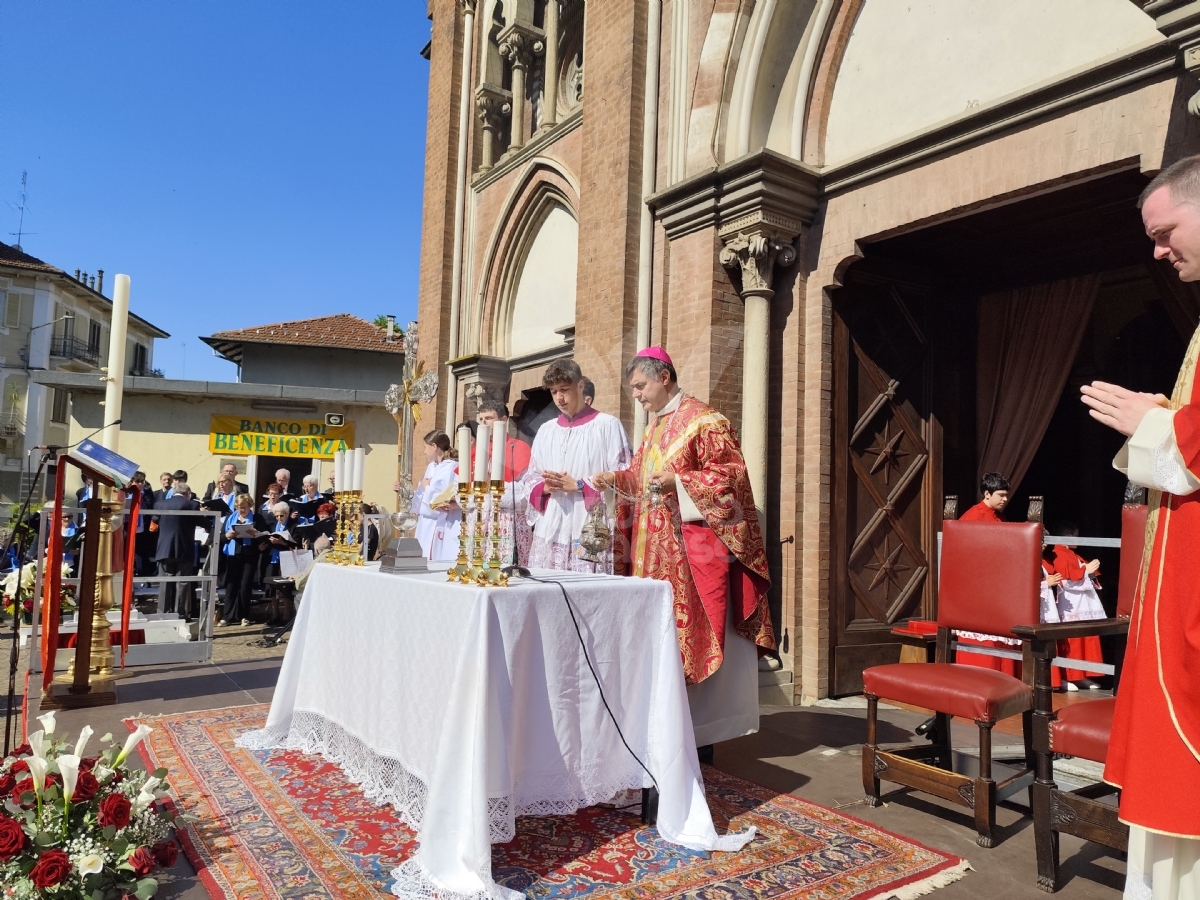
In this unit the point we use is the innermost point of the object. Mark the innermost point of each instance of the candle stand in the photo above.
(494, 576)
(461, 570)
(346, 550)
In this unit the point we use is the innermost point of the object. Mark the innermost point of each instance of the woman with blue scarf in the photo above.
(241, 561)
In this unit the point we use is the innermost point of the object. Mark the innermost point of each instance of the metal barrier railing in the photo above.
(205, 579)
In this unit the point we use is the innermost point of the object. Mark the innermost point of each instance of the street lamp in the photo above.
(29, 337)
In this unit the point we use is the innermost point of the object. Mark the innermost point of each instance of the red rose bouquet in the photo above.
(81, 828)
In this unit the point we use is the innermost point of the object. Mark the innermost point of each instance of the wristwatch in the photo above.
(579, 485)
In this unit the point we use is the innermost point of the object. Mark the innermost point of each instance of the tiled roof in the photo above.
(343, 331)
(11, 256)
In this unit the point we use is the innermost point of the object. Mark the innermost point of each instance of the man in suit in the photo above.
(176, 551)
(167, 480)
(238, 487)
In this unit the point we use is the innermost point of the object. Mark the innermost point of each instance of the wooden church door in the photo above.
(886, 477)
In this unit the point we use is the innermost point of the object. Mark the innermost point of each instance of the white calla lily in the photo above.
(89, 864)
(132, 741)
(47, 720)
(68, 767)
(84, 733)
(37, 744)
(37, 771)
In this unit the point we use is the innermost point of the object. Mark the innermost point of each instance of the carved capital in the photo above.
(468, 6)
(520, 42)
(1179, 23)
(755, 254)
(493, 104)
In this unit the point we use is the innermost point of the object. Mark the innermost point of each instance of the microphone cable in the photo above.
(524, 573)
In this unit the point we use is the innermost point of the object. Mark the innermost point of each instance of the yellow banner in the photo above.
(246, 436)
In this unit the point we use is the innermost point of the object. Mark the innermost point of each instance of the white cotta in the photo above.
(437, 530)
(598, 444)
(1078, 601)
(465, 707)
(1049, 604)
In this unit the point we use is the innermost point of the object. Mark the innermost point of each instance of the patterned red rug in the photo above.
(279, 825)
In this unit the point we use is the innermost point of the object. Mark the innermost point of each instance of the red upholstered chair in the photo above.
(1080, 729)
(988, 584)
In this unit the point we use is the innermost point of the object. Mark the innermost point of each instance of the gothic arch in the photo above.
(546, 186)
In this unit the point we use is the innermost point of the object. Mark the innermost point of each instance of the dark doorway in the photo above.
(533, 410)
(905, 331)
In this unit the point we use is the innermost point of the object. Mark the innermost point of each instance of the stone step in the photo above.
(775, 688)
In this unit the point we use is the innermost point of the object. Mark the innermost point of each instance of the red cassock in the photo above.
(1072, 567)
(1154, 752)
(980, 512)
(710, 564)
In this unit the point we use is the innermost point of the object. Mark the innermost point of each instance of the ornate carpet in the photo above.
(279, 825)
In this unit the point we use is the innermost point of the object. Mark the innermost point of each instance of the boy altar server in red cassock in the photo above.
(1078, 602)
(1154, 751)
(695, 526)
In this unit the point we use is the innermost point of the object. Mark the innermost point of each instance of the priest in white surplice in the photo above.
(566, 453)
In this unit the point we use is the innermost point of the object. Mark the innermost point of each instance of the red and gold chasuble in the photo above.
(1154, 751)
(709, 564)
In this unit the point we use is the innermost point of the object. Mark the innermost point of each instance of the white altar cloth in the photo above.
(464, 707)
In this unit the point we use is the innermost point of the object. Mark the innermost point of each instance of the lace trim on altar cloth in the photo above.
(386, 780)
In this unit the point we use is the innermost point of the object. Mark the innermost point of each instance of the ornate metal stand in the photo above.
(478, 565)
(346, 550)
(493, 575)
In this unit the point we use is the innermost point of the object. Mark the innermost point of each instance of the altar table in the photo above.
(464, 707)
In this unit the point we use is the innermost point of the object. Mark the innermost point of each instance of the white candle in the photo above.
(499, 439)
(339, 471)
(481, 449)
(464, 455)
(115, 388)
(351, 469)
(360, 467)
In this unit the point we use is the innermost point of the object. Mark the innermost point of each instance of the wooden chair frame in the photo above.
(1056, 811)
(928, 766)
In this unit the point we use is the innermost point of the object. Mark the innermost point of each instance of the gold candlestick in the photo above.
(495, 577)
(360, 539)
(460, 571)
(478, 571)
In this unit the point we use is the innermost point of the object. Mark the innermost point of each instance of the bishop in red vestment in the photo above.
(1154, 751)
(694, 521)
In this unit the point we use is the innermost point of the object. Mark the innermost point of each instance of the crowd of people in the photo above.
(250, 536)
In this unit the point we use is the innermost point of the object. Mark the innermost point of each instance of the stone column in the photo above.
(550, 82)
(754, 252)
(492, 104)
(519, 44)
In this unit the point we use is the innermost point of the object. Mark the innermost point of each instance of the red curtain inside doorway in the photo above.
(1028, 339)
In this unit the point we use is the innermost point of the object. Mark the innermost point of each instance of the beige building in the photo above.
(53, 322)
(334, 369)
(888, 240)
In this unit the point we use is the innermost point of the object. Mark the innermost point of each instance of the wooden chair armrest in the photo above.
(1060, 630)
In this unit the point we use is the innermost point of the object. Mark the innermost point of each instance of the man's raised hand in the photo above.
(1118, 408)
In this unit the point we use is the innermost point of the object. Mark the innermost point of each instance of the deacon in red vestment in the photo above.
(694, 521)
(1154, 751)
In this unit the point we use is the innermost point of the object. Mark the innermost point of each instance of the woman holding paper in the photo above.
(439, 515)
(241, 528)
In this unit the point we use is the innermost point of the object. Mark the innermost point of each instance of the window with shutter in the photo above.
(12, 308)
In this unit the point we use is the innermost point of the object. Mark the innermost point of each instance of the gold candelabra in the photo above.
(347, 549)
(479, 566)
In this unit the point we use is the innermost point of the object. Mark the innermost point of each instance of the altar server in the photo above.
(566, 453)
(1078, 602)
(1154, 751)
(515, 534)
(695, 525)
(994, 487)
(439, 517)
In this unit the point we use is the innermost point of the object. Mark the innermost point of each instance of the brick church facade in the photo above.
(817, 207)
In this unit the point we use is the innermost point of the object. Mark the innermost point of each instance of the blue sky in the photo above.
(243, 162)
